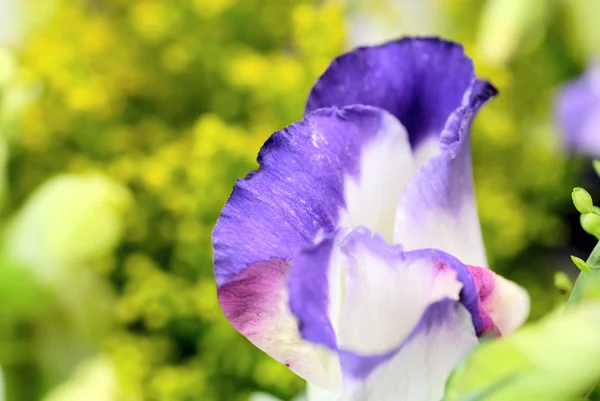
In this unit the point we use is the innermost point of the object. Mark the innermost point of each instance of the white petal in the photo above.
(420, 368)
(387, 292)
(508, 305)
(386, 165)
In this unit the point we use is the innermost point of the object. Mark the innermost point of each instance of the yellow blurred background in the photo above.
(124, 124)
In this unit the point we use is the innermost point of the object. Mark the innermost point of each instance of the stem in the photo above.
(594, 259)
(585, 280)
(586, 277)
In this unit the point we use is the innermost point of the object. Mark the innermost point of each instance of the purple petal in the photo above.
(336, 167)
(311, 287)
(299, 190)
(503, 304)
(578, 112)
(440, 200)
(421, 81)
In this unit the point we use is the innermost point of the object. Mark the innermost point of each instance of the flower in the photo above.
(578, 112)
(350, 255)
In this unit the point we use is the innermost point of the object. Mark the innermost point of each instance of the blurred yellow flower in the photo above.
(176, 57)
(211, 9)
(248, 69)
(153, 18)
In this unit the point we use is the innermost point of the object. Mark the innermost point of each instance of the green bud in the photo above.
(596, 164)
(582, 200)
(591, 224)
(581, 265)
(563, 283)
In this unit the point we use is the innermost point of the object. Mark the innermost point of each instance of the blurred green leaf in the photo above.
(262, 397)
(506, 25)
(95, 379)
(584, 35)
(2, 391)
(555, 359)
(8, 65)
(71, 220)
(20, 292)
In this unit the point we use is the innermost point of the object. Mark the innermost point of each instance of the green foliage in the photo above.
(555, 359)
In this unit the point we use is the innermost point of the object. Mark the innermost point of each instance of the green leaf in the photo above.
(582, 200)
(596, 164)
(481, 395)
(555, 359)
(20, 293)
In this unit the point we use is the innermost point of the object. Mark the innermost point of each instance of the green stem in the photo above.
(585, 279)
(594, 259)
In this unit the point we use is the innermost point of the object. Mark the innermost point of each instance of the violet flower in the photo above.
(350, 254)
(578, 112)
